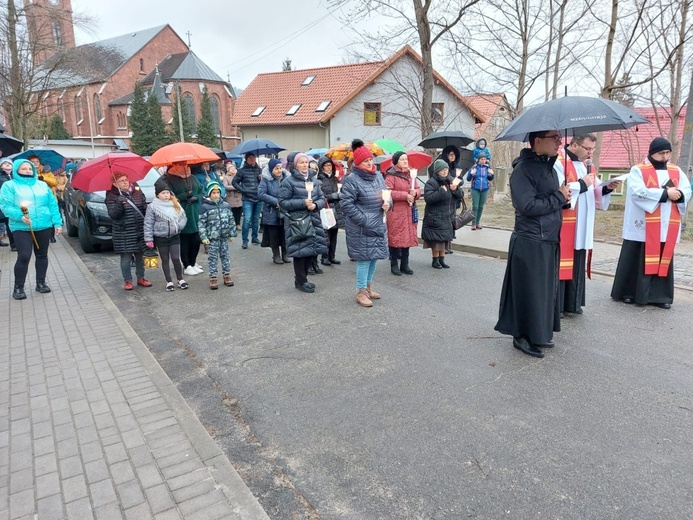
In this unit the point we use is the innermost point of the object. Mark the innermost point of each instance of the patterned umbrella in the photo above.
(342, 151)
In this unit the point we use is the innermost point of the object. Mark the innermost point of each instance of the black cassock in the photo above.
(632, 282)
(529, 298)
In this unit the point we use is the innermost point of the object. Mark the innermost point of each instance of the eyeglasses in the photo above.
(588, 149)
(556, 138)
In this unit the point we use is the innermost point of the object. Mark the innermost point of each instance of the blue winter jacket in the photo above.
(268, 192)
(213, 176)
(480, 177)
(36, 195)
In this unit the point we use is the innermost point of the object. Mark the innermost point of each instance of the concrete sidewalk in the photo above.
(494, 242)
(90, 425)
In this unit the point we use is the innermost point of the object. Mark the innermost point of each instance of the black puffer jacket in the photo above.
(329, 187)
(128, 224)
(292, 196)
(437, 222)
(362, 201)
(538, 203)
(247, 180)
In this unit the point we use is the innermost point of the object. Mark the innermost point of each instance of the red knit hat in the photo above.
(361, 152)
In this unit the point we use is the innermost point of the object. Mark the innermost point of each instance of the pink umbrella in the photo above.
(97, 174)
(417, 160)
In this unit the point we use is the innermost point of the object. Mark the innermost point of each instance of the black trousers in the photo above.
(397, 253)
(331, 242)
(25, 245)
(189, 248)
(237, 213)
(301, 268)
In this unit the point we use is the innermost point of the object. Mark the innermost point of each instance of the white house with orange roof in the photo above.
(323, 107)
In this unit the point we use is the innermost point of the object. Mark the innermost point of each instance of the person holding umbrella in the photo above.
(528, 309)
(33, 213)
(658, 194)
(247, 181)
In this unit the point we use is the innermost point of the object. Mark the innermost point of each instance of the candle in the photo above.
(456, 181)
(339, 186)
(386, 195)
(309, 189)
(412, 174)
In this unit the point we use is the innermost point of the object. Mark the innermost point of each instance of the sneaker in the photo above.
(199, 268)
(255, 241)
(170, 287)
(245, 245)
(191, 271)
(182, 284)
(143, 282)
(228, 281)
(127, 286)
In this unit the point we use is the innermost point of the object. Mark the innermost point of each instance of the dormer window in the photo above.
(293, 110)
(307, 81)
(323, 106)
(258, 111)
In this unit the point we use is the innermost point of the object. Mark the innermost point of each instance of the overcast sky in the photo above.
(240, 37)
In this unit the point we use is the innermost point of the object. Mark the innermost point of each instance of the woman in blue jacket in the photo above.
(26, 192)
(480, 174)
(272, 221)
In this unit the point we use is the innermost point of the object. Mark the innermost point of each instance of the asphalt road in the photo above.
(417, 408)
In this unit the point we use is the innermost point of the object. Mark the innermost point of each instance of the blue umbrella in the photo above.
(47, 157)
(572, 114)
(317, 151)
(257, 146)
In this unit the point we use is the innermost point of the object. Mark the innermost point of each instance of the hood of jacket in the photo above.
(20, 179)
(447, 150)
(266, 174)
(324, 160)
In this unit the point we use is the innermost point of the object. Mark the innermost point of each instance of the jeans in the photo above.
(251, 214)
(25, 245)
(125, 266)
(365, 269)
(478, 202)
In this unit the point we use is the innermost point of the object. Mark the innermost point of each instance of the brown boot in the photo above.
(228, 281)
(363, 299)
(372, 294)
(213, 283)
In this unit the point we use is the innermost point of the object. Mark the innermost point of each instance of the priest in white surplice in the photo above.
(577, 230)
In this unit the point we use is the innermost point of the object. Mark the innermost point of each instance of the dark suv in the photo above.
(86, 216)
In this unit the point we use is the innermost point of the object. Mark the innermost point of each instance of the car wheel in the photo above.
(84, 238)
(71, 228)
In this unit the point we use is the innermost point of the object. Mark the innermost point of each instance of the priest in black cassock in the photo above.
(529, 303)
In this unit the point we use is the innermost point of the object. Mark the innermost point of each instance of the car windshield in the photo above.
(150, 178)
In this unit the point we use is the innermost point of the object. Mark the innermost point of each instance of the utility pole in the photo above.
(686, 154)
(180, 114)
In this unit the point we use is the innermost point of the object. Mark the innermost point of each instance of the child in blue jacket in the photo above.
(481, 174)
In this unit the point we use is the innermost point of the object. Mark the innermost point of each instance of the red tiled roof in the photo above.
(622, 149)
(279, 91)
(486, 104)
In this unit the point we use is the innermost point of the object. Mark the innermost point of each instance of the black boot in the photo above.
(405, 268)
(436, 263)
(316, 266)
(42, 287)
(441, 261)
(394, 269)
(18, 293)
(394, 256)
(275, 256)
(325, 260)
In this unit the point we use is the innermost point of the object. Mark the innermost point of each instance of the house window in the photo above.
(371, 114)
(78, 109)
(190, 105)
(258, 111)
(307, 81)
(293, 110)
(97, 109)
(323, 106)
(141, 65)
(61, 109)
(122, 121)
(57, 34)
(437, 113)
(214, 106)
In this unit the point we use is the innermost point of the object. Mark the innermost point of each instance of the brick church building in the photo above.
(91, 85)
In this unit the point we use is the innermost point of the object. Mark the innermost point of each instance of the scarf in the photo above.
(165, 210)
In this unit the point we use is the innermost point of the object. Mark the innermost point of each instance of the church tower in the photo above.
(50, 27)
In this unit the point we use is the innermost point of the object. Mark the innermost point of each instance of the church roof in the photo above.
(97, 61)
(157, 89)
(183, 66)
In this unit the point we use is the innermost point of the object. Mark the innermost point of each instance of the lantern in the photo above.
(151, 259)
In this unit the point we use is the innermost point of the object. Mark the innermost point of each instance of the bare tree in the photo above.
(24, 85)
(426, 21)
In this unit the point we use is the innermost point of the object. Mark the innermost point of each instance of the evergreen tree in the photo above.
(141, 141)
(286, 64)
(205, 125)
(56, 128)
(159, 136)
(187, 130)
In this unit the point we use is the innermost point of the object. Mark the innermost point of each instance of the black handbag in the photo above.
(301, 226)
(464, 217)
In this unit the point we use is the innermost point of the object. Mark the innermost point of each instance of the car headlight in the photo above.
(98, 208)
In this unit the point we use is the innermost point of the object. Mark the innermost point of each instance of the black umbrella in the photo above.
(221, 153)
(9, 145)
(572, 114)
(445, 138)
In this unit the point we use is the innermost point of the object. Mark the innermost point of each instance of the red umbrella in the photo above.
(417, 160)
(97, 174)
(190, 153)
